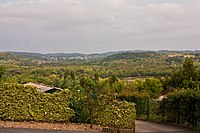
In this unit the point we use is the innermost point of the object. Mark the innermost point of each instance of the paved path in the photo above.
(141, 127)
(151, 127)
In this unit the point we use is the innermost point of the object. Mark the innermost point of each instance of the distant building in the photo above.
(43, 88)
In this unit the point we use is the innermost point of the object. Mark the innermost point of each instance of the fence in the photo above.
(181, 107)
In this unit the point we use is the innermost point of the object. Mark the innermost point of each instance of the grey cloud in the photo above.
(96, 26)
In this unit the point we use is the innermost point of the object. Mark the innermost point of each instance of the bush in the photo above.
(182, 106)
(140, 101)
(24, 103)
(118, 114)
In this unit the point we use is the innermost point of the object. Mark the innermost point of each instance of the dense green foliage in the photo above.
(117, 114)
(2, 71)
(96, 82)
(126, 64)
(94, 98)
(150, 85)
(186, 77)
(139, 99)
(20, 103)
(143, 64)
(141, 92)
(182, 106)
(84, 100)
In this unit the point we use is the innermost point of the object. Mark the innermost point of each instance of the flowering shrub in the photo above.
(24, 103)
(118, 114)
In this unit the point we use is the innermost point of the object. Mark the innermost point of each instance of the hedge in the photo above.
(24, 103)
(139, 100)
(146, 107)
(117, 114)
(182, 107)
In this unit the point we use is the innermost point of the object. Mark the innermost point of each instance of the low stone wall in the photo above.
(118, 130)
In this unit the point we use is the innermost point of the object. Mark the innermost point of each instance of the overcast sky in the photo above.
(91, 26)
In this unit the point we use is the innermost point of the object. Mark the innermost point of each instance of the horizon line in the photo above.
(142, 50)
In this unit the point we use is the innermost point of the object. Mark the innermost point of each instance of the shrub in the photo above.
(182, 106)
(139, 99)
(24, 103)
(118, 114)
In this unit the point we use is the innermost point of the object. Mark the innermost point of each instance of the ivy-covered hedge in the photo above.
(24, 103)
(117, 114)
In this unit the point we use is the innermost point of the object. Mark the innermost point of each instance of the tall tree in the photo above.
(152, 86)
(90, 90)
(186, 77)
(189, 70)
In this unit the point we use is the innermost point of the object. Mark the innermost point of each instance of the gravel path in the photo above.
(21, 130)
(151, 127)
(50, 126)
(141, 127)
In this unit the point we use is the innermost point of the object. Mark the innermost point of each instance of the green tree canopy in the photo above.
(189, 71)
(185, 77)
(152, 86)
(2, 71)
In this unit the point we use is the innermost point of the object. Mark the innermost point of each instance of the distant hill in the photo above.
(131, 55)
(122, 63)
(105, 56)
(27, 54)
(58, 56)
